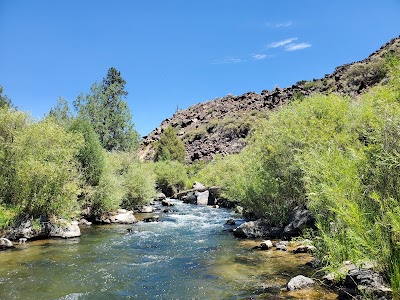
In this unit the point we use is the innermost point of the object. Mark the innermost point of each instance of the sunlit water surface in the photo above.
(189, 254)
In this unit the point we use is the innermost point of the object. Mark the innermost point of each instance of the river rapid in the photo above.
(189, 254)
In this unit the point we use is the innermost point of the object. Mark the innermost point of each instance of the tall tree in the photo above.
(106, 109)
(4, 100)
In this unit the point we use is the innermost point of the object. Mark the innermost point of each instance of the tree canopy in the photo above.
(108, 112)
(170, 147)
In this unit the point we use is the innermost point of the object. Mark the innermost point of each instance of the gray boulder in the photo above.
(151, 219)
(167, 203)
(365, 282)
(146, 209)
(300, 219)
(65, 229)
(5, 244)
(300, 282)
(253, 229)
(189, 198)
(160, 196)
(198, 186)
(282, 245)
(121, 216)
(202, 197)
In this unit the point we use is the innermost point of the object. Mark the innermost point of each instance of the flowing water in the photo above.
(189, 254)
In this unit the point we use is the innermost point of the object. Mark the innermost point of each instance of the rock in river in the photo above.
(299, 282)
(5, 244)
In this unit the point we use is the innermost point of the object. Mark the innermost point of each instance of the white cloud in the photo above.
(228, 60)
(260, 56)
(280, 25)
(295, 47)
(281, 43)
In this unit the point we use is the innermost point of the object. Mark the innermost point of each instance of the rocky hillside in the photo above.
(220, 126)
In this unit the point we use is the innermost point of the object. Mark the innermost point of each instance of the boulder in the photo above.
(198, 186)
(365, 282)
(189, 198)
(253, 229)
(5, 244)
(151, 219)
(167, 203)
(84, 222)
(300, 282)
(282, 245)
(304, 249)
(266, 245)
(160, 196)
(230, 222)
(202, 197)
(121, 216)
(145, 209)
(300, 219)
(65, 229)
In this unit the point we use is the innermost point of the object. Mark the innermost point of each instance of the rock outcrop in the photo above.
(220, 126)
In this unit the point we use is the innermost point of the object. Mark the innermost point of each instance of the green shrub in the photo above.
(171, 176)
(139, 185)
(46, 177)
(91, 155)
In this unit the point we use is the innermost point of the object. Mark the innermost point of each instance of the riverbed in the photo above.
(189, 254)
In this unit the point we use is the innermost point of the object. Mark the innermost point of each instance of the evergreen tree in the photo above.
(4, 100)
(169, 146)
(106, 109)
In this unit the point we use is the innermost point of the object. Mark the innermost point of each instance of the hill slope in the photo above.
(220, 126)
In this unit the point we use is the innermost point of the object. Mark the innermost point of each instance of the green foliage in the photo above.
(125, 183)
(140, 185)
(46, 177)
(11, 122)
(108, 112)
(91, 155)
(169, 146)
(4, 100)
(61, 114)
(338, 156)
(171, 176)
(367, 74)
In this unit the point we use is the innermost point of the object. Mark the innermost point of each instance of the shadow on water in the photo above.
(189, 254)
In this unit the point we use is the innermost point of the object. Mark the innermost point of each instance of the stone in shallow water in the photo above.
(300, 282)
(5, 244)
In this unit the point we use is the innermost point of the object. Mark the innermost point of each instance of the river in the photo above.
(189, 254)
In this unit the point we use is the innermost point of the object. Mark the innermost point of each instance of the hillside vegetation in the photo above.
(339, 156)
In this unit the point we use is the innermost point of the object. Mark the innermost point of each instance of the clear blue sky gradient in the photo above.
(175, 53)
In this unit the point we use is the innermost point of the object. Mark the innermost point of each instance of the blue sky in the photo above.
(176, 53)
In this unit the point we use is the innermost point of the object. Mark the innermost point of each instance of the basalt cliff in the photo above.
(220, 126)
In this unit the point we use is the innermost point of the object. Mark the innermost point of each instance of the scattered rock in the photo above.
(300, 282)
(84, 222)
(5, 244)
(151, 219)
(121, 216)
(300, 219)
(365, 282)
(189, 198)
(230, 222)
(168, 210)
(282, 245)
(22, 240)
(167, 203)
(257, 229)
(202, 197)
(304, 249)
(198, 186)
(314, 264)
(266, 245)
(65, 229)
(160, 196)
(239, 210)
(145, 209)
